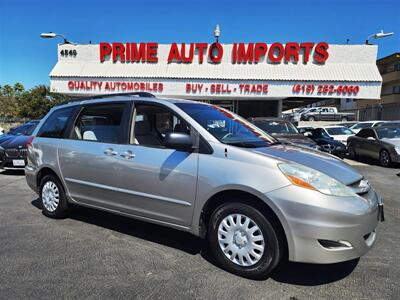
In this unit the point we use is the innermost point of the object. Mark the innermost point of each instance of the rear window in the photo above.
(25, 129)
(56, 124)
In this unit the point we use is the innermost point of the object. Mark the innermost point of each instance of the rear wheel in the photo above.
(384, 158)
(312, 119)
(243, 240)
(52, 197)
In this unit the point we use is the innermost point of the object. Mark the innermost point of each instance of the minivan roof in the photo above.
(142, 96)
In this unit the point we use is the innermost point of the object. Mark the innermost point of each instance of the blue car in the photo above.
(326, 143)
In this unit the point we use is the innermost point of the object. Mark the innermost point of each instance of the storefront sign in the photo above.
(242, 53)
(216, 88)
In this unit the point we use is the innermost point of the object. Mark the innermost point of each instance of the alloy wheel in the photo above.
(384, 158)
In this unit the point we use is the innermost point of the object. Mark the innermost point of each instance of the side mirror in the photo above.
(178, 141)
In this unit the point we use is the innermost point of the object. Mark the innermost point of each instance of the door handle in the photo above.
(110, 152)
(128, 155)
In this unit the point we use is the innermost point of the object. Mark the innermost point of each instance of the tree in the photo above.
(18, 89)
(36, 102)
(8, 102)
(7, 91)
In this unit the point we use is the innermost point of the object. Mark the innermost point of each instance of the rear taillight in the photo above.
(29, 142)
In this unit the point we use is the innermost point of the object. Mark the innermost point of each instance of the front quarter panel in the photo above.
(232, 168)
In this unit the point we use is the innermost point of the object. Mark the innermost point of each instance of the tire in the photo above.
(344, 119)
(257, 267)
(52, 197)
(384, 158)
(351, 152)
(311, 119)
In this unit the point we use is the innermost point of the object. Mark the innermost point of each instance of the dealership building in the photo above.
(252, 79)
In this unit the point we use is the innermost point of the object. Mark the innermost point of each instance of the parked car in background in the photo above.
(346, 124)
(326, 142)
(339, 133)
(292, 118)
(202, 169)
(284, 131)
(304, 129)
(389, 123)
(366, 124)
(327, 114)
(24, 129)
(295, 115)
(382, 143)
(13, 147)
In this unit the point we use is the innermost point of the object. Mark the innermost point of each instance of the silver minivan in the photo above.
(202, 169)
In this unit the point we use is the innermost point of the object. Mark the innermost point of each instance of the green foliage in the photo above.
(8, 101)
(33, 104)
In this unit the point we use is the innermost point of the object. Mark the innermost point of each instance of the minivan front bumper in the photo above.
(326, 229)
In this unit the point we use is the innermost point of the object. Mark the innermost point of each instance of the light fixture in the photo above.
(217, 32)
(378, 35)
(52, 35)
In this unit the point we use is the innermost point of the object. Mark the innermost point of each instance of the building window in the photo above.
(396, 89)
(397, 67)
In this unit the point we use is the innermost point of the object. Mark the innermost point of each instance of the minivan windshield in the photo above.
(226, 126)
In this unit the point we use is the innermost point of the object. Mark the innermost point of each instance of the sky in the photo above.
(28, 59)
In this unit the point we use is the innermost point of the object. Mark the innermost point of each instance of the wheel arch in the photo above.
(44, 172)
(252, 199)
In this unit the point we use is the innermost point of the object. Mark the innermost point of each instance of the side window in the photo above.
(100, 123)
(366, 133)
(152, 122)
(56, 123)
(362, 133)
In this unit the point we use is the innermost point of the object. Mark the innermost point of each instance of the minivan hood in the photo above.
(317, 160)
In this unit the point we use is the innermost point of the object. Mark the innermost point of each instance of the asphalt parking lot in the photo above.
(98, 255)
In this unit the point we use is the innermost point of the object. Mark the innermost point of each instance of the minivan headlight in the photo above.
(308, 178)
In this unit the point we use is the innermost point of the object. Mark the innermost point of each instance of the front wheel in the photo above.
(384, 158)
(311, 119)
(351, 152)
(243, 240)
(344, 119)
